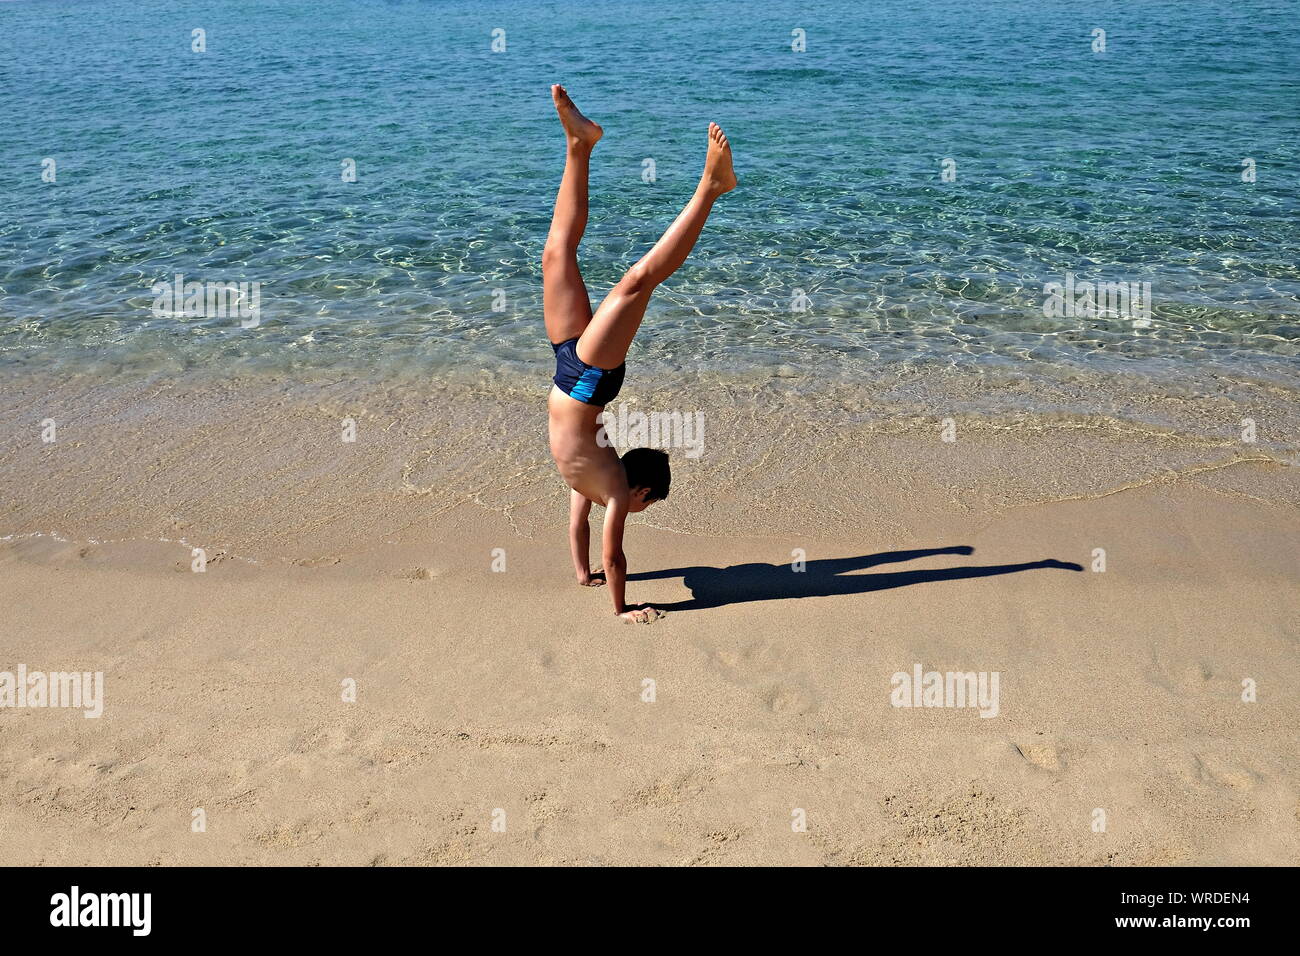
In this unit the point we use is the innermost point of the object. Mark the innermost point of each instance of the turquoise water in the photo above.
(226, 166)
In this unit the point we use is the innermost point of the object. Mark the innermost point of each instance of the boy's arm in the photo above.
(616, 562)
(580, 539)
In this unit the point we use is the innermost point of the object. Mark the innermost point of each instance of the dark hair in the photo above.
(648, 468)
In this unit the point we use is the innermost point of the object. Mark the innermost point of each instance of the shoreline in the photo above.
(279, 468)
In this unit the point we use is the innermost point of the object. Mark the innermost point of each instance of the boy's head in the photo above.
(648, 476)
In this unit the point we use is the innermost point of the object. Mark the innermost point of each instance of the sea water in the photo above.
(916, 178)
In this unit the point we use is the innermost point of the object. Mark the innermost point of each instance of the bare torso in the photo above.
(588, 467)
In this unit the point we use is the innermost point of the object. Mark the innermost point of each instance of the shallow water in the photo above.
(225, 166)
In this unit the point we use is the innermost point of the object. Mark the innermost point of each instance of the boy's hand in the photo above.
(592, 579)
(643, 614)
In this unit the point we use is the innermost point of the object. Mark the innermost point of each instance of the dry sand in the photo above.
(518, 691)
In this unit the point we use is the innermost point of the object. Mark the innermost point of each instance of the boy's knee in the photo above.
(557, 254)
(637, 281)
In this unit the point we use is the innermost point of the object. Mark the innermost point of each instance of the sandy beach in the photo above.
(515, 697)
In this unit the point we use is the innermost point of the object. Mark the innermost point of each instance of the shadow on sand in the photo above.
(717, 587)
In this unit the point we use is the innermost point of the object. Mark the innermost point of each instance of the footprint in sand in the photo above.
(1180, 677)
(423, 574)
(1221, 773)
(716, 843)
(1042, 754)
(324, 561)
(788, 699)
(666, 791)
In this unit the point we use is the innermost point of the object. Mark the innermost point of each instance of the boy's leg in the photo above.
(605, 342)
(565, 305)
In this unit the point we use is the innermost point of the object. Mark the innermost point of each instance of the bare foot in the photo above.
(581, 131)
(718, 172)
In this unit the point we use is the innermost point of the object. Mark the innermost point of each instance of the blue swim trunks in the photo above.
(586, 383)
